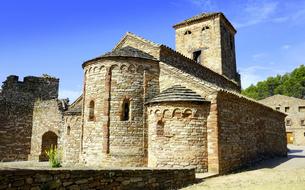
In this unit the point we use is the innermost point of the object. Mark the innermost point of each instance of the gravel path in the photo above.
(276, 174)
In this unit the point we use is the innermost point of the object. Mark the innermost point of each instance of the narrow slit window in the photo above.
(91, 111)
(68, 130)
(197, 56)
(126, 110)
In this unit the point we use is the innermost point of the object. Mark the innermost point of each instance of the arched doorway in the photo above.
(48, 139)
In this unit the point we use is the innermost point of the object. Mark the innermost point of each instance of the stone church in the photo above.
(147, 105)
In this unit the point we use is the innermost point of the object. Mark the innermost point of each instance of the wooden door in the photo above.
(289, 137)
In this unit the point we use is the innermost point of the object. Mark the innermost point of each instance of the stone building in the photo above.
(147, 105)
(295, 120)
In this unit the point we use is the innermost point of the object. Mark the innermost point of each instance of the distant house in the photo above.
(295, 120)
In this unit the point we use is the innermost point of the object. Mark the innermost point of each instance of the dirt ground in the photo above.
(276, 174)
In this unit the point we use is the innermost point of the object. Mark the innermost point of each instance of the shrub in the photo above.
(54, 155)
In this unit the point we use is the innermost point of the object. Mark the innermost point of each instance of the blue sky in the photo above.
(57, 36)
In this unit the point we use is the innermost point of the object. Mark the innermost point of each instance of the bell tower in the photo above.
(208, 39)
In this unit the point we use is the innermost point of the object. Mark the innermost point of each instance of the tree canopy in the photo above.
(289, 84)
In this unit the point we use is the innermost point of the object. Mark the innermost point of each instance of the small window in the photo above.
(286, 109)
(278, 108)
(302, 122)
(125, 110)
(68, 130)
(301, 108)
(304, 134)
(288, 122)
(91, 111)
(197, 56)
(187, 32)
(205, 28)
(160, 128)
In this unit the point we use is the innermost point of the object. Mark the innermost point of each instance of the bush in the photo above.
(54, 155)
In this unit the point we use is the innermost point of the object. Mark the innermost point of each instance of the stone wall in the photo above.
(97, 179)
(247, 132)
(295, 110)
(178, 135)
(47, 119)
(108, 139)
(174, 59)
(16, 113)
(214, 36)
(71, 138)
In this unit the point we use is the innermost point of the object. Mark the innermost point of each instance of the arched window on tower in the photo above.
(125, 110)
(91, 111)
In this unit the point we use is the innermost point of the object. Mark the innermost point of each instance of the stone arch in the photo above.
(49, 139)
(132, 68)
(94, 69)
(158, 113)
(89, 71)
(101, 68)
(176, 113)
(123, 68)
(166, 113)
(187, 113)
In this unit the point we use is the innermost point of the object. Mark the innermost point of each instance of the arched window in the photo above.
(68, 130)
(125, 110)
(160, 128)
(91, 111)
(187, 32)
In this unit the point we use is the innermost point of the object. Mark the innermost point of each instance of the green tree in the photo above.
(289, 84)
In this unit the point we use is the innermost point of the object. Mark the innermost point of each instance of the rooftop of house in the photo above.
(178, 93)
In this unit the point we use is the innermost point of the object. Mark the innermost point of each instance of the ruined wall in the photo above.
(97, 179)
(178, 135)
(47, 119)
(247, 132)
(108, 139)
(16, 113)
(295, 110)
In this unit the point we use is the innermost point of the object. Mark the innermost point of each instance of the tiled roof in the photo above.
(128, 51)
(177, 93)
(198, 17)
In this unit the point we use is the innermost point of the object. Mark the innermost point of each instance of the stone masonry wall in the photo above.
(178, 135)
(108, 140)
(214, 37)
(47, 117)
(295, 110)
(15, 130)
(71, 139)
(247, 132)
(174, 59)
(116, 179)
(208, 40)
(16, 113)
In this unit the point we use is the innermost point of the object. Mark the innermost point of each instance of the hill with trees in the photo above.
(289, 84)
